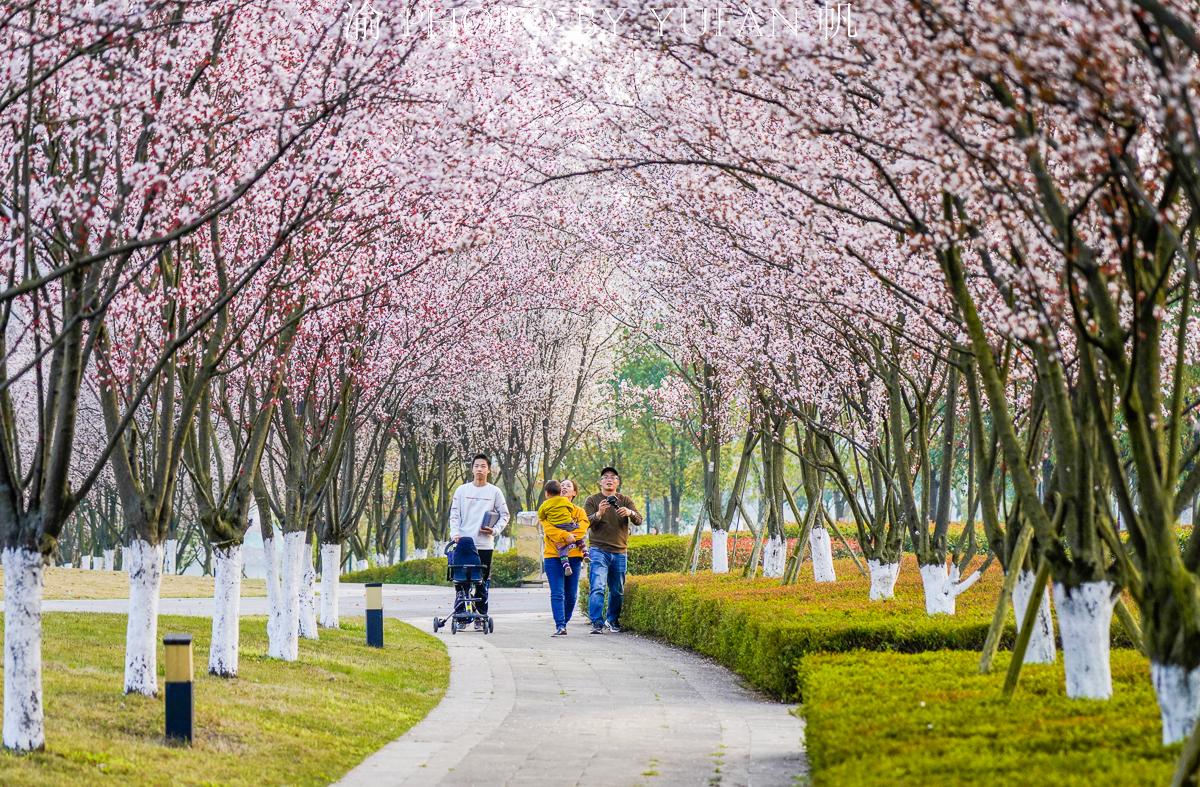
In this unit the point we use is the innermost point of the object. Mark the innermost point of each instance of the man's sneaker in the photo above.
(613, 627)
(479, 625)
(560, 632)
(597, 629)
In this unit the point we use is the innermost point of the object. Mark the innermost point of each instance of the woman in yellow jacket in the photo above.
(564, 586)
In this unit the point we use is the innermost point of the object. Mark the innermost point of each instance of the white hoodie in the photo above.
(467, 508)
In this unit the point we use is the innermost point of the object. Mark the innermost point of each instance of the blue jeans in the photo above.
(607, 573)
(564, 590)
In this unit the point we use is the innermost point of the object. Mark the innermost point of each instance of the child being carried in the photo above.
(560, 512)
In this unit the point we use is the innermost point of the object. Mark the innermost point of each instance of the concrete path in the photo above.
(524, 708)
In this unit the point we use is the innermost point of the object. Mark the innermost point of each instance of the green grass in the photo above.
(930, 718)
(306, 722)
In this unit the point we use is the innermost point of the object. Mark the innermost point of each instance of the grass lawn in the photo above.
(306, 722)
(73, 583)
(930, 718)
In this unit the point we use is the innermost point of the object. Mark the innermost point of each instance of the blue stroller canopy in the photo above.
(464, 561)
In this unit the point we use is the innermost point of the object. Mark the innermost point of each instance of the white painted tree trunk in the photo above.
(1084, 619)
(274, 594)
(227, 602)
(85, 562)
(1041, 649)
(1178, 691)
(284, 641)
(331, 561)
(110, 557)
(418, 554)
(169, 562)
(362, 565)
(883, 579)
(942, 587)
(308, 601)
(141, 634)
(939, 589)
(774, 557)
(821, 548)
(24, 721)
(720, 552)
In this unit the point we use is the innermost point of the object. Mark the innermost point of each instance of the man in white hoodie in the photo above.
(472, 502)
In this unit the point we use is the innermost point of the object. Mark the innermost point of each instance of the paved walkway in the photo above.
(525, 708)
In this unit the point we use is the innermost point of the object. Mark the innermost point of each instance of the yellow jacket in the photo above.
(555, 537)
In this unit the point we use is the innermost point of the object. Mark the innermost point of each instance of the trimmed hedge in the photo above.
(762, 629)
(930, 718)
(647, 555)
(657, 554)
(507, 571)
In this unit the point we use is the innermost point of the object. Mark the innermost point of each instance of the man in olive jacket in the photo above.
(608, 541)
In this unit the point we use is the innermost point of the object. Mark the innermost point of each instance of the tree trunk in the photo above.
(227, 600)
(1041, 648)
(285, 644)
(331, 559)
(274, 592)
(821, 547)
(1084, 619)
(939, 585)
(141, 635)
(775, 557)
(308, 602)
(720, 552)
(1178, 690)
(883, 579)
(170, 556)
(24, 722)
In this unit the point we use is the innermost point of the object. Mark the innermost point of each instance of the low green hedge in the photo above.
(657, 554)
(930, 718)
(507, 571)
(761, 629)
(647, 555)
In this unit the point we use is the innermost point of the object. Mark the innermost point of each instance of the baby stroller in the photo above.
(466, 571)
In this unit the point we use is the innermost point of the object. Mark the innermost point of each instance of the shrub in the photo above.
(761, 629)
(657, 554)
(930, 718)
(507, 571)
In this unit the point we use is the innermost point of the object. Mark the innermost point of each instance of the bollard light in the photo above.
(179, 686)
(375, 614)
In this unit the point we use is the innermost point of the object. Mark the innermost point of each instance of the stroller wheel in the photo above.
(437, 624)
(491, 624)
(454, 627)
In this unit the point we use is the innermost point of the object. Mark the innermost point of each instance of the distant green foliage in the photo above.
(507, 571)
(930, 718)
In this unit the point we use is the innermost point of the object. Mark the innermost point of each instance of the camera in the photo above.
(612, 501)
